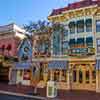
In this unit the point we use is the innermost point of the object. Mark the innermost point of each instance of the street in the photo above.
(14, 97)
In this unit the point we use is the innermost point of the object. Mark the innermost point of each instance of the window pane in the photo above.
(74, 76)
(80, 26)
(56, 75)
(98, 26)
(87, 77)
(98, 42)
(80, 41)
(88, 25)
(94, 75)
(65, 47)
(56, 43)
(63, 76)
(72, 42)
(72, 27)
(89, 41)
(80, 76)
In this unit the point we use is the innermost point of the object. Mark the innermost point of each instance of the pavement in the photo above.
(27, 91)
(8, 96)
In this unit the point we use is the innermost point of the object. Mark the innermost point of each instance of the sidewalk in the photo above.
(62, 95)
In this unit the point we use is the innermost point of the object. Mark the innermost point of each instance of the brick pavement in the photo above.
(62, 95)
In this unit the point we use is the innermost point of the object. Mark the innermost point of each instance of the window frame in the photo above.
(98, 26)
(80, 25)
(88, 24)
(72, 26)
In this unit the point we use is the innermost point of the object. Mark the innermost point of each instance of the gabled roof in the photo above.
(76, 5)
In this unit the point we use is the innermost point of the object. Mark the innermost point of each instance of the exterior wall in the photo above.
(97, 37)
(66, 18)
(9, 43)
(97, 80)
(83, 66)
(41, 45)
(6, 42)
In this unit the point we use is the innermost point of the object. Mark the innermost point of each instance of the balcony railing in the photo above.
(81, 51)
(41, 54)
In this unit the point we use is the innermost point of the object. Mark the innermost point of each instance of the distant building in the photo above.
(9, 42)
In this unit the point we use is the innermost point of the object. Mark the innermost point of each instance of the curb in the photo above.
(22, 95)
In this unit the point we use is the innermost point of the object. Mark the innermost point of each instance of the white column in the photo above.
(10, 75)
(97, 81)
(60, 75)
(68, 79)
(51, 75)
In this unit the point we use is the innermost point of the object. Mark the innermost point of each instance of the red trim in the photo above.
(75, 5)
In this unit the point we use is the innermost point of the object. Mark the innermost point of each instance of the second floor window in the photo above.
(72, 42)
(88, 25)
(80, 41)
(64, 47)
(72, 27)
(80, 26)
(98, 26)
(89, 41)
(56, 43)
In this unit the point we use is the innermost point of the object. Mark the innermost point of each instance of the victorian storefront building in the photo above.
(71, 58)
(15, 55)
(73, 63)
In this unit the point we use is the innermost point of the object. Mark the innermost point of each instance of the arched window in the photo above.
(74, 76)
(94, 76)
(9, 47)
(80, 26)
(80, 76)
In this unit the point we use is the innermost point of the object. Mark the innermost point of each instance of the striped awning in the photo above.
(57, 65)
(26, 65)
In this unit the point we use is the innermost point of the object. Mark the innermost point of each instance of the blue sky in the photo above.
(23, 11)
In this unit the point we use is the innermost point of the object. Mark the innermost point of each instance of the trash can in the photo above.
(51, 89)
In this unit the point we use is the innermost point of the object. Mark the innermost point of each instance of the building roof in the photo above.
(11, 27)
(76, 5)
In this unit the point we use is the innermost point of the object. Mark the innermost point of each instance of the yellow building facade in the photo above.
(81, 19)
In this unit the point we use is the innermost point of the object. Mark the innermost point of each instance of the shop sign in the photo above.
(57, 64)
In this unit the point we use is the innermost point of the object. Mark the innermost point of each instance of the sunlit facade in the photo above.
(75, 53)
